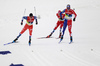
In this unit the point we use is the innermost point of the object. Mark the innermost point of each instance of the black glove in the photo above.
(36, 23)
(74, 19)
(60, 18)
(21, 23)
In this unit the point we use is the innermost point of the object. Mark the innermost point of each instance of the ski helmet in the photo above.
(68, 6)
(30, 15)
(59, 11)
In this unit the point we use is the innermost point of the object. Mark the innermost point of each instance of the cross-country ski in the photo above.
(44, 37)
(70, 42)
(8, 43)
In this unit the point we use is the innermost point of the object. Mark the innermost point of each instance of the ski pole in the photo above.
(24, 12)
(35, 11)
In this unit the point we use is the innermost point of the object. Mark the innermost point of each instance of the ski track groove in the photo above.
(26, 52)
(96, 52)
(76, 59)
(42, 61)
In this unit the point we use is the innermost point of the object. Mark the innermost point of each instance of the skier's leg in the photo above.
(16, 38)
(30, 34)
(54, 29)
(57, 25)
(60, 33)
(61, 25)
(64, 27)
(69, 28)
(29, 40)
(30, 31)
(23, 30)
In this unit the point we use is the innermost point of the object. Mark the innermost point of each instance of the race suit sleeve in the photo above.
(24, 17)
(74, 13)
(35, 19)
(62, 13)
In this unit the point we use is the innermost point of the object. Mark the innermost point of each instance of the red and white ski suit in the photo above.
(28, 25)
(59, 22)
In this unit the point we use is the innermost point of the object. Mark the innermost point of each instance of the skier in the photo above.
(59, 23)
(29, 25)
(68, 21)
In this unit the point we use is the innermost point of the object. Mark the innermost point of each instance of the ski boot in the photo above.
(60, 35)
(49, 36)
(61, 38)
(71, 40)
(29, 42)
(15, 40)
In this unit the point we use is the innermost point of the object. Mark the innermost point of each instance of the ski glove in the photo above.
(60, 18)
(74, 19)
(36, 22)
(21, 23)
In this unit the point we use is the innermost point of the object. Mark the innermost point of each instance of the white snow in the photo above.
(84, 51)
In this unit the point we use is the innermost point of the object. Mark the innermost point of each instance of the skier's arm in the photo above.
(24, 17)
(57, 15)
(36, 20)
(75, 15)
(62, 13)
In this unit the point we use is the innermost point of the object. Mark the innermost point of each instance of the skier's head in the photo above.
(59, 11)
(68, 6)
(30, 15)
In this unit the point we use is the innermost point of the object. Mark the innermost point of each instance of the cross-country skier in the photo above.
(29, 25)
(59, 23)
(68, 21)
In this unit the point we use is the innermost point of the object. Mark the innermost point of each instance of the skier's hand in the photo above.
(21, 23)
(60, 18)
(36, 23)
(74, 19)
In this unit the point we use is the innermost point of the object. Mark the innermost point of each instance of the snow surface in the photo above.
(84, 51)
